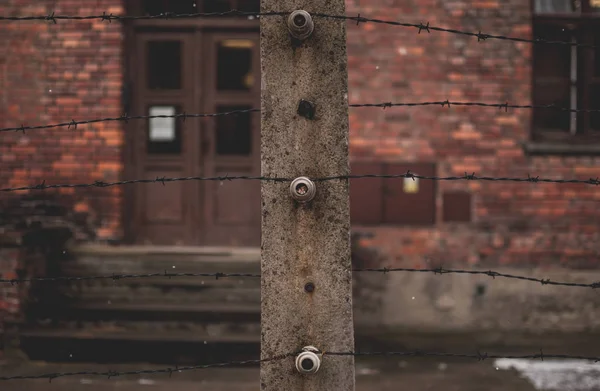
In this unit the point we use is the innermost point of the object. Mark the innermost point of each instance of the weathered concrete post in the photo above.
(306, 266)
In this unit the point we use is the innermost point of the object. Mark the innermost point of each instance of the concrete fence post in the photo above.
(305, 257)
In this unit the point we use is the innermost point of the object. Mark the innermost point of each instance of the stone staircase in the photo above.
(179, 320)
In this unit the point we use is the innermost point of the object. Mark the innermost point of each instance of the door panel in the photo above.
(163, 86)
(196, 72)
(232, 208)
(233, 134)
(165, 204)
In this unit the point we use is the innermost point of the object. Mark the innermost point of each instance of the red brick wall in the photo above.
(513, 223)
(52, 73)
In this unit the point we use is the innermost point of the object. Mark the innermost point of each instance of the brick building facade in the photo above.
(53, 73)
(509, 222)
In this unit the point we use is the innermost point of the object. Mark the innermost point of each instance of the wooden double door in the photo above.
(194, 69)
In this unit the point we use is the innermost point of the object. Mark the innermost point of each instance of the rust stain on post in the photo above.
(312, 239)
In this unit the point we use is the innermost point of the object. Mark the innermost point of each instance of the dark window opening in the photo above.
(216, 5)
(248, 5)
(164, 65)
(555, 6)
(234, 65)
(566, 76)
(595, 105)
(157, 7)
(234, 132)
(226, 5)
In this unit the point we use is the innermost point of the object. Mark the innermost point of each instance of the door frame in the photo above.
(130, 163)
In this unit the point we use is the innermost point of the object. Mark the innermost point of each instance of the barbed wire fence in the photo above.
(183, 116)
(218, 275)
(421, 28)
(109, 17)
(170, 370)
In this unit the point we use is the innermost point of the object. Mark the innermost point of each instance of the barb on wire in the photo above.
(170, 371)
(466, 177)
(489, 273)
(449, 104)
(426, 27)
(115, 277)
(109, 17)
(408, 174)
(218, 275)
(479, 356)
(124, 118)
(162, 180)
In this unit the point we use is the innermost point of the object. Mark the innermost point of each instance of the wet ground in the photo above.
(371, 375)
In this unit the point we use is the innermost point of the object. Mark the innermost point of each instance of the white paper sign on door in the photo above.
(162, 129)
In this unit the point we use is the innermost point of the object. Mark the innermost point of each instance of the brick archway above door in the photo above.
(195, 66)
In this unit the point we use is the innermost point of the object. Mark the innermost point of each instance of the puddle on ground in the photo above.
(567, 375)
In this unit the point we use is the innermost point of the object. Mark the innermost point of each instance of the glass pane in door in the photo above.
(248, 5)
(157, 7)
(234, 132)
(163, 64)
(596, 55)
(556, 6)
(216, 5)
(594, 104)
(234, 65)
(227, 5)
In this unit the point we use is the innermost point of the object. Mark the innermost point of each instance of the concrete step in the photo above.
(106, 346)
(153, 259)
(101, 333)
(98, 311)
(159, 329)
(92, 266)
(106, 261)
(150, 319)
(142, 294)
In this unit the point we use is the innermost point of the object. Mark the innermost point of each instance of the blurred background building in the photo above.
(88, 69)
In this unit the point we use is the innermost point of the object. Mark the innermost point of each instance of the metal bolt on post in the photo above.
(305, 252)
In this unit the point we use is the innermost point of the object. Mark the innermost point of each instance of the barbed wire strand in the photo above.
(170, 371)
(124, 118)
(109, 17)
(420, 27)
(448, 103)
(218, 275)
(72, 125)
(428, 28)
(479, 357)
(489, 273)
(164, 180)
